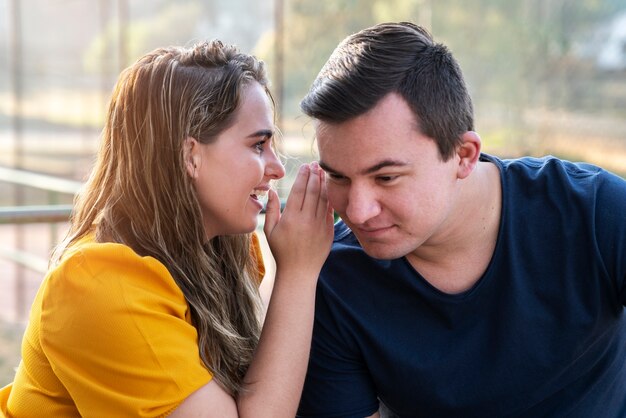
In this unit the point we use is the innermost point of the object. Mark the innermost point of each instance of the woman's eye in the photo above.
(259, 145)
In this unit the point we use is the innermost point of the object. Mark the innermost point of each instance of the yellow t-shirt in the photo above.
(109, 335)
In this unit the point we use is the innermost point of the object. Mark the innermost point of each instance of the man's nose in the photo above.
(362, 204)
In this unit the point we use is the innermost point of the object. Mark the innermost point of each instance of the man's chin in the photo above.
(381, 251)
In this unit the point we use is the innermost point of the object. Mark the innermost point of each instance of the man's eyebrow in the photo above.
(384, 164)
(369, 170)
(326, 167)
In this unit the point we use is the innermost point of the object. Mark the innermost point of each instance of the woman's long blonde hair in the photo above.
(139, 193)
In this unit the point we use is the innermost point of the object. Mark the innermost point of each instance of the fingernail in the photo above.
(304, 168)
(315, 167)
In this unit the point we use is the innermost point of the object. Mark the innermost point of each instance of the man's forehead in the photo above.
(322, 128)
(324, 135)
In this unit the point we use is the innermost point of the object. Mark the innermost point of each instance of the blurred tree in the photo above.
(171, 23)
(514, 53)
(518, 56)
(152, 24)
(314, 27)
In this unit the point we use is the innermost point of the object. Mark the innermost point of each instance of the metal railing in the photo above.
(20, 216)
(39, 181)
(49, 214)
(34, 214)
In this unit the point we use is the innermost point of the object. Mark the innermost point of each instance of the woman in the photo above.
(151, 306)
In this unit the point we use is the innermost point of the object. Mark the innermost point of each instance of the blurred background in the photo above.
(547, 77)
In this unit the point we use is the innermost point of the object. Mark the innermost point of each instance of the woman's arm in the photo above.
(300, 240)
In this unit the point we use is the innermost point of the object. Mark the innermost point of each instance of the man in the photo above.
(459, 284)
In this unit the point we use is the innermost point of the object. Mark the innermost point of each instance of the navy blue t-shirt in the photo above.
(541, 334)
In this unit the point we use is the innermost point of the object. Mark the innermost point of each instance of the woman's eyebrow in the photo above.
(262, 133)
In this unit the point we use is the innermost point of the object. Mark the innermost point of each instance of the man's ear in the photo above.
(191, 155)
(469, 153)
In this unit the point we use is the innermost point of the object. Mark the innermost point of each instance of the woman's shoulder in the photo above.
(97, 257)
(110, 316)
(112, 273)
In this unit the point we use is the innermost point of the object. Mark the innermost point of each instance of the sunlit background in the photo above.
(547, 77)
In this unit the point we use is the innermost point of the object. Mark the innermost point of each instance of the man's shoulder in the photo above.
(345, 241)
(346, 252)
(549, 173)
(343, 233)
(547, 165)
(347, 258)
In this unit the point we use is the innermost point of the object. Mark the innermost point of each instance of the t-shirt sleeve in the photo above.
(116, 330)
(337, 382)
(610, 225)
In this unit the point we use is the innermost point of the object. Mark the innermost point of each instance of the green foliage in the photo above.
(171, 23)
(510, 51)
(314, 28)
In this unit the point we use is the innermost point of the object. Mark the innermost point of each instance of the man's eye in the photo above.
(386, 179)
(335, 176)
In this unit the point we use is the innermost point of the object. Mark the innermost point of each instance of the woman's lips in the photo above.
(259, 196)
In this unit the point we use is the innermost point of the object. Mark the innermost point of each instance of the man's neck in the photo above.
(455, 259)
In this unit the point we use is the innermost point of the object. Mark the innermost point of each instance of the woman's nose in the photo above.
(274, 168)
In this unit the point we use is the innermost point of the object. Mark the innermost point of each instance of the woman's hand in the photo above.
(300, 238)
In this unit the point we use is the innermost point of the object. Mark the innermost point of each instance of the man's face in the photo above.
(387, 181)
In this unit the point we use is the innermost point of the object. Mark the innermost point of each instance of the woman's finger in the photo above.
(322, 206)
(272, 212)
(311, 198)
(298, 189)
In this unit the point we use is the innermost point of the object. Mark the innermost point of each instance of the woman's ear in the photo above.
(469, 153)
(191, 155)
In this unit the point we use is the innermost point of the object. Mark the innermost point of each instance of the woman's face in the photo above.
(232, 172)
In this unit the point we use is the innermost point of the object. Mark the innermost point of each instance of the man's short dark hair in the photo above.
(395, 58)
